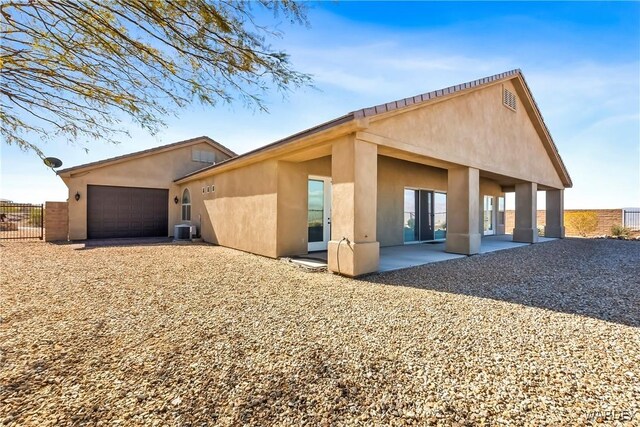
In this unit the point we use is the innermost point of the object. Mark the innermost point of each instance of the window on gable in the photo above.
(203, 156)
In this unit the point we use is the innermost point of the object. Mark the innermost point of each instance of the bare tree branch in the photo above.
(75, 69)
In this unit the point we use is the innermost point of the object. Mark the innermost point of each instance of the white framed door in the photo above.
(489, 223)
(318, 212)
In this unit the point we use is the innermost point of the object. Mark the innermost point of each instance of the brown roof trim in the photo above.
(396, 105)
(307, 132)
(546, 129)
(361, 114)
(151, 151)
(401, 103)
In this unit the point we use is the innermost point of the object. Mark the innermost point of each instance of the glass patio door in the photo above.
(489, 227)
(411, 206)
(439, 216)
(424, 215)
(318, 213)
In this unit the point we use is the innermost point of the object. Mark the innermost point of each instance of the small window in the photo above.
(186, 205)
(213, 188)
(508, 99)
(208, 189)
(501, 210)
(203, 156)
(203, 189)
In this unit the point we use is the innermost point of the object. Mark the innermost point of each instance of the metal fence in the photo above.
(21, 221)
(631, 218)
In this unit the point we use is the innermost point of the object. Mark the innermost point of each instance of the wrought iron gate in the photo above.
(21, 221)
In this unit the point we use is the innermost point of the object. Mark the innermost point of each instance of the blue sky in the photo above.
(581, 60)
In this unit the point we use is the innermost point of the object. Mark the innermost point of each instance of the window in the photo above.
(501, 210)
(203, 156)
(208, 189)
(186, 205)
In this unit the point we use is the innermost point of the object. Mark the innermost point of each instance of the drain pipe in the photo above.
(338, 252)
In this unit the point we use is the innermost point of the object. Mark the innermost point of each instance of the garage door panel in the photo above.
(126, 212)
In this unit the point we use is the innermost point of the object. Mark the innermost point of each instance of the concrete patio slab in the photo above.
(504, 241)
(498, 243)
(398, 257)
(406, 256)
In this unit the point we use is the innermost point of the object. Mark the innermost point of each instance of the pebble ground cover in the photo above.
(184, 335)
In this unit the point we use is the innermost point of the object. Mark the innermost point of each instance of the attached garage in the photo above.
(135, 195)
(126, 212)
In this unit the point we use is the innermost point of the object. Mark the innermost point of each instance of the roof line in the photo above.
(548, 133)
(150, 151)
(363, 113)
(310, 131)
(396, 105)
(405, 102)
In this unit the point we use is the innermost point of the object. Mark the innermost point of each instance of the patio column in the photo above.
(526, 230)
(353, 249)
(554, 226)
(463, 209)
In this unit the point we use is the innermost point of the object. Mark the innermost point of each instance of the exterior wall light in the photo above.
(77, 196)
(176, 200)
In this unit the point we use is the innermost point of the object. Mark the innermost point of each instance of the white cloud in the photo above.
(590, 105)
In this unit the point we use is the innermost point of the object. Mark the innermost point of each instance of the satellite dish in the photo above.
(52, 162)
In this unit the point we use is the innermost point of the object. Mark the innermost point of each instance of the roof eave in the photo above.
(138, 154)
(348, 121)
(562, 172)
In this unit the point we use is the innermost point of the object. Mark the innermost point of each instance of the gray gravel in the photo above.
(202, 335)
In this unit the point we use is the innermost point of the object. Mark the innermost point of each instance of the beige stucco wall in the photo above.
(261, 208)
(393, 176)
(241, 212)
(152, 171)
(292, 202)
(476, 130)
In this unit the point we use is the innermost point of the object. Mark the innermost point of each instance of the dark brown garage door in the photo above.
(126, 212)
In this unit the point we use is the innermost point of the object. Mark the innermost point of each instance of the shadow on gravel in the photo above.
(595, 278)
(137, 241)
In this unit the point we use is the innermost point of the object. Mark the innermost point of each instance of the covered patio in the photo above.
(406, 256)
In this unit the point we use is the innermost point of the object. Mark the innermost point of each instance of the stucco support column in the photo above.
(526, 230)
(463, 208)
(554, 226)
(353, 249)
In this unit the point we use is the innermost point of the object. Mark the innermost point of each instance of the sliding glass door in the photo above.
(411, 203)
(439, 216)
(425, 216)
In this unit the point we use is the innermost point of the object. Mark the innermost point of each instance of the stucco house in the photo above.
(432, 167)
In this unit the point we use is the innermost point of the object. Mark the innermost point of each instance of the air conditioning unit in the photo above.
(182, 232)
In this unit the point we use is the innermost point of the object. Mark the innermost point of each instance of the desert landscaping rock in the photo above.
(203, 335)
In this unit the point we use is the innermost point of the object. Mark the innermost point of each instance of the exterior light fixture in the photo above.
(77, 196)
(176, 200)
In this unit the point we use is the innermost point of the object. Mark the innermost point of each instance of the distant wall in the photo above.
(606, 219)
(56, 221)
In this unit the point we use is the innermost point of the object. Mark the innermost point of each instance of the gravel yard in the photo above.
(202, 335)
